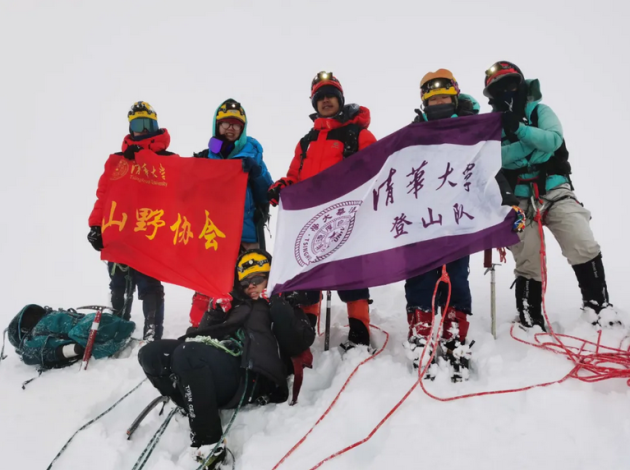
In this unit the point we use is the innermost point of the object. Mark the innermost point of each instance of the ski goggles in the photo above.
(140, 125)
(499, 69)
(439, 86)
(254, 280)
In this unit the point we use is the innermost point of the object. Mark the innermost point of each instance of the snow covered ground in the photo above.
(70, 71)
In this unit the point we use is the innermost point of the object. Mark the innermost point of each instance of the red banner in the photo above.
(176, 219)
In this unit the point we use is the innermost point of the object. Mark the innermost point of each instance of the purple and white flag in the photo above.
(422, 197)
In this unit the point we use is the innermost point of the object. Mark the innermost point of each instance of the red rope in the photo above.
(589, 366)
(301, 441)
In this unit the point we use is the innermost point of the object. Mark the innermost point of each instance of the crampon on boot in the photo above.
(595, 301)
(453, 344)
(420, 324)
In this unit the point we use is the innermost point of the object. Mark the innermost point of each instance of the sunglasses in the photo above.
(254, 280)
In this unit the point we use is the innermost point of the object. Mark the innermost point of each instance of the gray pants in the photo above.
(569, 223)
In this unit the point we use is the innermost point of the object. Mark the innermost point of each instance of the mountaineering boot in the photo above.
(218, 459)
(359, 320)
(420, 324)
(118, 304)
(595, 302)
(453, 343)
(312, 312)
(529, 302)
(153, 308)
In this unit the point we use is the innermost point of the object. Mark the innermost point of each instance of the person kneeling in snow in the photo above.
(240, 353)
(535, 162)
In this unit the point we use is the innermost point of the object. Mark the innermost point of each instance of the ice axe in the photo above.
(93, 330)
(490, 268)
(327, 330)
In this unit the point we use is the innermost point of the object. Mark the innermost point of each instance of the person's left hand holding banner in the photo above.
(168, 217)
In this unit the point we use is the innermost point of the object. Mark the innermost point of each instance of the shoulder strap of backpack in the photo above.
(305, 142)
(348, 135)
(533, 118)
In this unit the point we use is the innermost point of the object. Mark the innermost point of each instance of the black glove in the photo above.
(95, 237)
(130, 152)
(251, 166)
(510, 122)
(273, 195)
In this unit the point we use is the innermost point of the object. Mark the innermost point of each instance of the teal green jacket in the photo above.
(535, 145)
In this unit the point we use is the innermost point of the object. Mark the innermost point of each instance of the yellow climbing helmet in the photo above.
(141, 109)
(253, 261)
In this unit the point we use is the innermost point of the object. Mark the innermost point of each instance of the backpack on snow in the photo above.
(558, 163)
(37, 332)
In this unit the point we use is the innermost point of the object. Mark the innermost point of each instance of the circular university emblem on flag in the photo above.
(325, 233)
(121, 170)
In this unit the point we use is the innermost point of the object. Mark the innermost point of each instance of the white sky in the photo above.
(71, 69)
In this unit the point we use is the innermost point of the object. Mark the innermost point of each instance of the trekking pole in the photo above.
(490, 267)
(93, 330)
(327, 332)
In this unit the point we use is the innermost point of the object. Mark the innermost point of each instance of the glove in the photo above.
(251, 166)
(95, 238)
(130, 152)
(274, 192)
(519, 220)
(510, 122)
(222, 303)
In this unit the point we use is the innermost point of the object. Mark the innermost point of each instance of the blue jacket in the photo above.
(256, 187)
(535, 145)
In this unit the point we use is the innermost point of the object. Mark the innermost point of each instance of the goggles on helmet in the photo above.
(499, 69)
(439, 86)
(140, 125)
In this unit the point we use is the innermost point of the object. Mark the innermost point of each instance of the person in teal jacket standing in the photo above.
(535, 162)
(230, 141)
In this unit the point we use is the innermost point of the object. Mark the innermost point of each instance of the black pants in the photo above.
(199, 378)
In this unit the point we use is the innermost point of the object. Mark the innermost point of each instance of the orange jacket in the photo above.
(323, 153)
(157, 144)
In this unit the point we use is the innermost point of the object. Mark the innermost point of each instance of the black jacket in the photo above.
(274, 331)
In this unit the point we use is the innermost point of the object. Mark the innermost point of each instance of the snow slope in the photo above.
(72, 69)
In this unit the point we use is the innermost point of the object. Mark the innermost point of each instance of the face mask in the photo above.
(439, 111)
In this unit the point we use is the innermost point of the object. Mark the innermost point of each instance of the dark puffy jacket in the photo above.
(273, 331)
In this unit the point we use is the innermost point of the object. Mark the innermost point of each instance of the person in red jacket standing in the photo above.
(144, 133)
(339, 130)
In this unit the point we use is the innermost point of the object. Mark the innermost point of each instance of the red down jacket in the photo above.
(323, 153)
